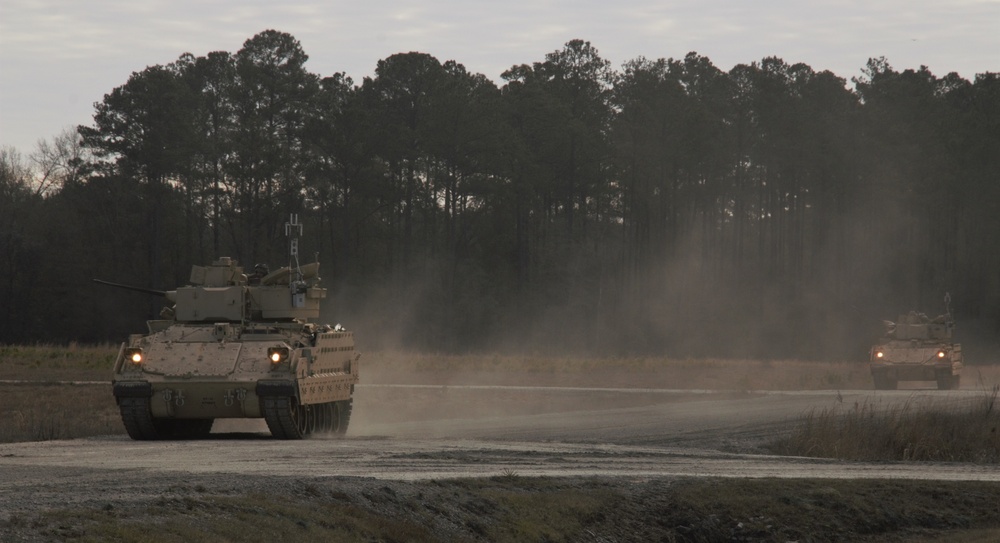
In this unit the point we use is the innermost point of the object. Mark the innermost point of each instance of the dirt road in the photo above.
(632, 443)
(428, 432)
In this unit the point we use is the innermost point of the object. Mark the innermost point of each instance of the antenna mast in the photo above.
(296, 285)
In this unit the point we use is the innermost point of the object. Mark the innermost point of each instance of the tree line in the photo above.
(667, 207)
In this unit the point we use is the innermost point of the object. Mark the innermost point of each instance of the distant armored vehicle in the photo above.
(238, 345)
(917, 348)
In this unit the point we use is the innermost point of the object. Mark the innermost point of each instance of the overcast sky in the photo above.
(59, 57)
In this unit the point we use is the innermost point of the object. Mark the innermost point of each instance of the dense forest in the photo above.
(666, 208)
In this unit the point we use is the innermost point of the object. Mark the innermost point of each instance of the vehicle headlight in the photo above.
(941, 354)
(277, 355)
(879, 354)
(134, 355)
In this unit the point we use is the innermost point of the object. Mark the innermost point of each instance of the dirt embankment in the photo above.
(140, 506)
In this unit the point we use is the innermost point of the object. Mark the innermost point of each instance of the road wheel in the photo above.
(137, 418)
(284, 416)
(340, 416)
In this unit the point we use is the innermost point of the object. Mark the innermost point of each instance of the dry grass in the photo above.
(48, 407)
(939, 431)
(45, 412)
(71, 362)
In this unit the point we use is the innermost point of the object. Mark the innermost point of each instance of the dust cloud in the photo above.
(821, 295)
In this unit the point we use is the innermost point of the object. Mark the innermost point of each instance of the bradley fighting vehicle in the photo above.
(238, 345)
(918, 348)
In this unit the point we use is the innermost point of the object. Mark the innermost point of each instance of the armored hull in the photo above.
(916, 348)
(188, 375)
(238, 346)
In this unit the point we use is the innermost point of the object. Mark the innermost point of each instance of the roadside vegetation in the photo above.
(944, 431)
(48, 411)
(73, 362)
(57, 392)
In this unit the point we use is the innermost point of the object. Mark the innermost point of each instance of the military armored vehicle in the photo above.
(917, 348)
(238, 345)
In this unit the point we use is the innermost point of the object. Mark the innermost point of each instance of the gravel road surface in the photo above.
(428, 432)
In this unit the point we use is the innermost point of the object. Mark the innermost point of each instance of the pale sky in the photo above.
(59, 57)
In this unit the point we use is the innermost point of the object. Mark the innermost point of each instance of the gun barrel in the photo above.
(130, 287)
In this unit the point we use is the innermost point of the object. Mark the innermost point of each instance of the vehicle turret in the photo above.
(222, 292)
